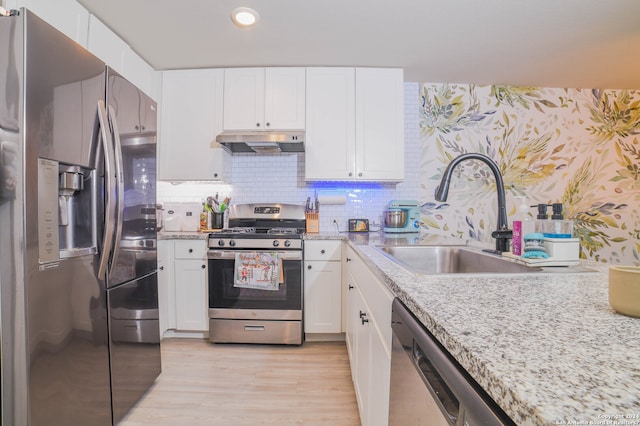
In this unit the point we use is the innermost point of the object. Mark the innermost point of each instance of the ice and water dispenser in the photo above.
(66, 211)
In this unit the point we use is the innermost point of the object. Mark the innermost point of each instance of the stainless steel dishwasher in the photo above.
(428, 387)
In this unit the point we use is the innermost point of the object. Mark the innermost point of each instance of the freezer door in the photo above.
(132, 121)
(66, 317)
(134, 341)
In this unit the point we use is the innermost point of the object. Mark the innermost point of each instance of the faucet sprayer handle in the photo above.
(502, 233)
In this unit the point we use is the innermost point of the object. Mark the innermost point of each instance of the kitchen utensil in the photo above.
(624, 289)
(395, 218)
(217, 220)
(402, 216)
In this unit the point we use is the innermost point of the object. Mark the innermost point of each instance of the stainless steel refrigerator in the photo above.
(80, 337)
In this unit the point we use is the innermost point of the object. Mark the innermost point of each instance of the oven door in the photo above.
(227, 300)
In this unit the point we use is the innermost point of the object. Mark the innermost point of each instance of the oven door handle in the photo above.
(228, 254)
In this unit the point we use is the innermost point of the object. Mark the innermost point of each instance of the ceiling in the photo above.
(547, 43)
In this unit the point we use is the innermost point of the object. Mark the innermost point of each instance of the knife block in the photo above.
(313, 222)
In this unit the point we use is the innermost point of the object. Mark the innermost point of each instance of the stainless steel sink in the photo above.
(430, 260)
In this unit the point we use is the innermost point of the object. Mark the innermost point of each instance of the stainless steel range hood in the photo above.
(262, 141)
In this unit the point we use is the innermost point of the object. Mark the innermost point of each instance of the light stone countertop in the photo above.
(547, 347)
(171, 235)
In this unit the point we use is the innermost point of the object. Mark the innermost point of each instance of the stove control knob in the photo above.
(220, 243)
(287, 243)
(276, 243)
(232, 243)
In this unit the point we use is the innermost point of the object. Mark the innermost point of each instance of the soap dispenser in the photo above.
(558, 227)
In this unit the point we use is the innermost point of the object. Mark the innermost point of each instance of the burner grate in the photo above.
(283, 231)
(240, 230)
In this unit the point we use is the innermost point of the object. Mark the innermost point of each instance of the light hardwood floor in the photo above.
(212, 384)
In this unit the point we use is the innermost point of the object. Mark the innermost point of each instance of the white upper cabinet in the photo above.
(379, 124)
(138, 114)
(330, 135)
(191, 117)
(65, 15)
(139, 72)
(355, 124)
(106, 44)
(264, 99)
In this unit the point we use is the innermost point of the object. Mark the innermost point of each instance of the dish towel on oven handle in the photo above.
(257, 270)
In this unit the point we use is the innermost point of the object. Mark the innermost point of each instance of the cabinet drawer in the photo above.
(323, 250)
(190, 249)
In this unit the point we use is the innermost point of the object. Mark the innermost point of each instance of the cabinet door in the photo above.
(133, 109)
(105, 44)
(368, 333)
(379, 124)
(322, 297)
(68, 16)
(166, 286)
(140, 73)
(379, 378)
(191, 118)
(330, 127)
(349, 319)
(244, 98)
(191, 295)
(361, 366)
(284, 99)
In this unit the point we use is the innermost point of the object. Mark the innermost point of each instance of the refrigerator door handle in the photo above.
(117, 148)
(110, 189)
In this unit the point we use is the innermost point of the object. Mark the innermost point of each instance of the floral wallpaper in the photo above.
(577, 147)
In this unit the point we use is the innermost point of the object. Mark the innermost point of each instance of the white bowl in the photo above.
(624, 289)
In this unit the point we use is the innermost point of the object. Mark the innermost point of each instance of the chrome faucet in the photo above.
(502, 234)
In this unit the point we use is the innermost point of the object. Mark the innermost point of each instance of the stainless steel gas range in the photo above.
(255, 276)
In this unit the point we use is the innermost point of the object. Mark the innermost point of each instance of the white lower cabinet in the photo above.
(166, 286)
(322, 287)
(368, 337)
(182, 285)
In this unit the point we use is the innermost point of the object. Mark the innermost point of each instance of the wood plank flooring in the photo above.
(218, 384)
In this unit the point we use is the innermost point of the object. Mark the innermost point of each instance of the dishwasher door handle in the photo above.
(444, 396)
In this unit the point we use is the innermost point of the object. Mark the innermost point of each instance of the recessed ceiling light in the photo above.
(244, 16)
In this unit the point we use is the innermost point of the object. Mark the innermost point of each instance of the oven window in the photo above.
(223, 294)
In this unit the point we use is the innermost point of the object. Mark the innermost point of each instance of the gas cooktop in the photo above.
(259, 226)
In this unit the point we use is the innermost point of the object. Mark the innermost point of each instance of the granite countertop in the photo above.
(175, 235)
(547, 347)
